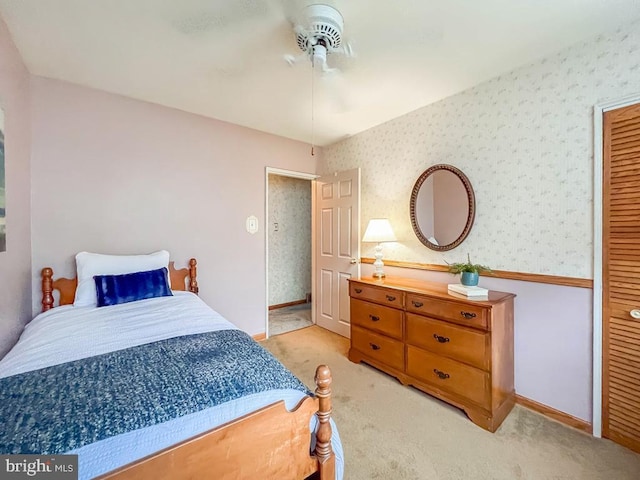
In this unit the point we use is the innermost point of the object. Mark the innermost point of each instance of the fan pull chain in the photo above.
(313, 75)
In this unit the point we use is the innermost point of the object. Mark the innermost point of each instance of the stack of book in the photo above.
(475, 293)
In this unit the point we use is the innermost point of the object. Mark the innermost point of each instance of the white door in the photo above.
(337, 247)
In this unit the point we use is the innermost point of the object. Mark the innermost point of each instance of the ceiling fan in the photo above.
(318, 33)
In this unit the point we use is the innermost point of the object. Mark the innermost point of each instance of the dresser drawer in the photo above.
(384, 349)
(384, 296)
(460, 343)
(449, 375)
(375, 317)
(461, 313)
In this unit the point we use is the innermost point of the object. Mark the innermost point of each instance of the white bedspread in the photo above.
(69, 333)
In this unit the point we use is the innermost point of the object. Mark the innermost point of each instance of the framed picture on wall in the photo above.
(3, 197)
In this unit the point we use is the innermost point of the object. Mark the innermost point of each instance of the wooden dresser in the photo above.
(453, 348)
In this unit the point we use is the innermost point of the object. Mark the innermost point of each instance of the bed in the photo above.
(234, 413)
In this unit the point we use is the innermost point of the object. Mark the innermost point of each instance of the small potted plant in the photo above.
(469, 272)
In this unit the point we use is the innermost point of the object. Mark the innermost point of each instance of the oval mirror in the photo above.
(442, 207)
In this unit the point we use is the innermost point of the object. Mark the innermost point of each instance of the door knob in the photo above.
(635, 313)
(354, 261)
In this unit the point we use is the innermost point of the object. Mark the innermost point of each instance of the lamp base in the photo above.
(378, 273)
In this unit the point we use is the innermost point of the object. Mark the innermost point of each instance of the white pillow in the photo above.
(90, 264)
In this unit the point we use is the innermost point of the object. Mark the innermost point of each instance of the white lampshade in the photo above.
(379, 230)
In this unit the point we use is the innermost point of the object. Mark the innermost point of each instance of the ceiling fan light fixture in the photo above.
(319, 56)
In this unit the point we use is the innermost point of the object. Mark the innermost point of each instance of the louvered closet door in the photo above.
(621, 277)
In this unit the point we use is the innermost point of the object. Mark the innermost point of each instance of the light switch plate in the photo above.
(252, 224)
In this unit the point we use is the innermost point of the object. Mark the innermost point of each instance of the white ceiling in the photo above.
(224, 59)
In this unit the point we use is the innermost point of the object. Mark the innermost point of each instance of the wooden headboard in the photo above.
(67, 286)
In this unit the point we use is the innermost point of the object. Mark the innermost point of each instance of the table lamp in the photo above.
(379, 230)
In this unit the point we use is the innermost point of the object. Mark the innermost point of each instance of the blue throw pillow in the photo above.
(129, 287)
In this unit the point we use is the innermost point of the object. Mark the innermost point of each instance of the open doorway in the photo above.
(289, 251)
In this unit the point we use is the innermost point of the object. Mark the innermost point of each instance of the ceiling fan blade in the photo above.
(293, 60)
(326, 70)
(299, 30)
(332, 92)
(347, 50)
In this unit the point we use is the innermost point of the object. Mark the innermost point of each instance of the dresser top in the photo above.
(435, 289)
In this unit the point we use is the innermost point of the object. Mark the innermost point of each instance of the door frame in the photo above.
(292, 174)
(598, 164)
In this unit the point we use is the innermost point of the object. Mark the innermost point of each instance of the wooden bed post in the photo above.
(47, 289)
(324, 452)
(193, 283)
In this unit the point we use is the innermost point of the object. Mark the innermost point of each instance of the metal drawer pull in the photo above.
(442, 375)
(635, 313)
(374, 346)
(417, 304)
(358, 290)
(374, 318)
(391, 298)
(468, 314)
(440, 339)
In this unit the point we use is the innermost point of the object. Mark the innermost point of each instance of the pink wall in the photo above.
(552, 339)
(116, 175)
(15, 263)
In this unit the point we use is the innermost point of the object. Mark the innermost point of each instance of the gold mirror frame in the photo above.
(471, 202)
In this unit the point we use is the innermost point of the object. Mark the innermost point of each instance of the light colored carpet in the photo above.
(393, 432)
(287, 319)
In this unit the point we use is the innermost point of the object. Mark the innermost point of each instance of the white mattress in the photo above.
(70, 333)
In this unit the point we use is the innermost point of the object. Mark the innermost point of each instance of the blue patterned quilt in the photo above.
(67, 406)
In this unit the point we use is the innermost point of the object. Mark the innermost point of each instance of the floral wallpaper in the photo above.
(290, 239)
(525, 141)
